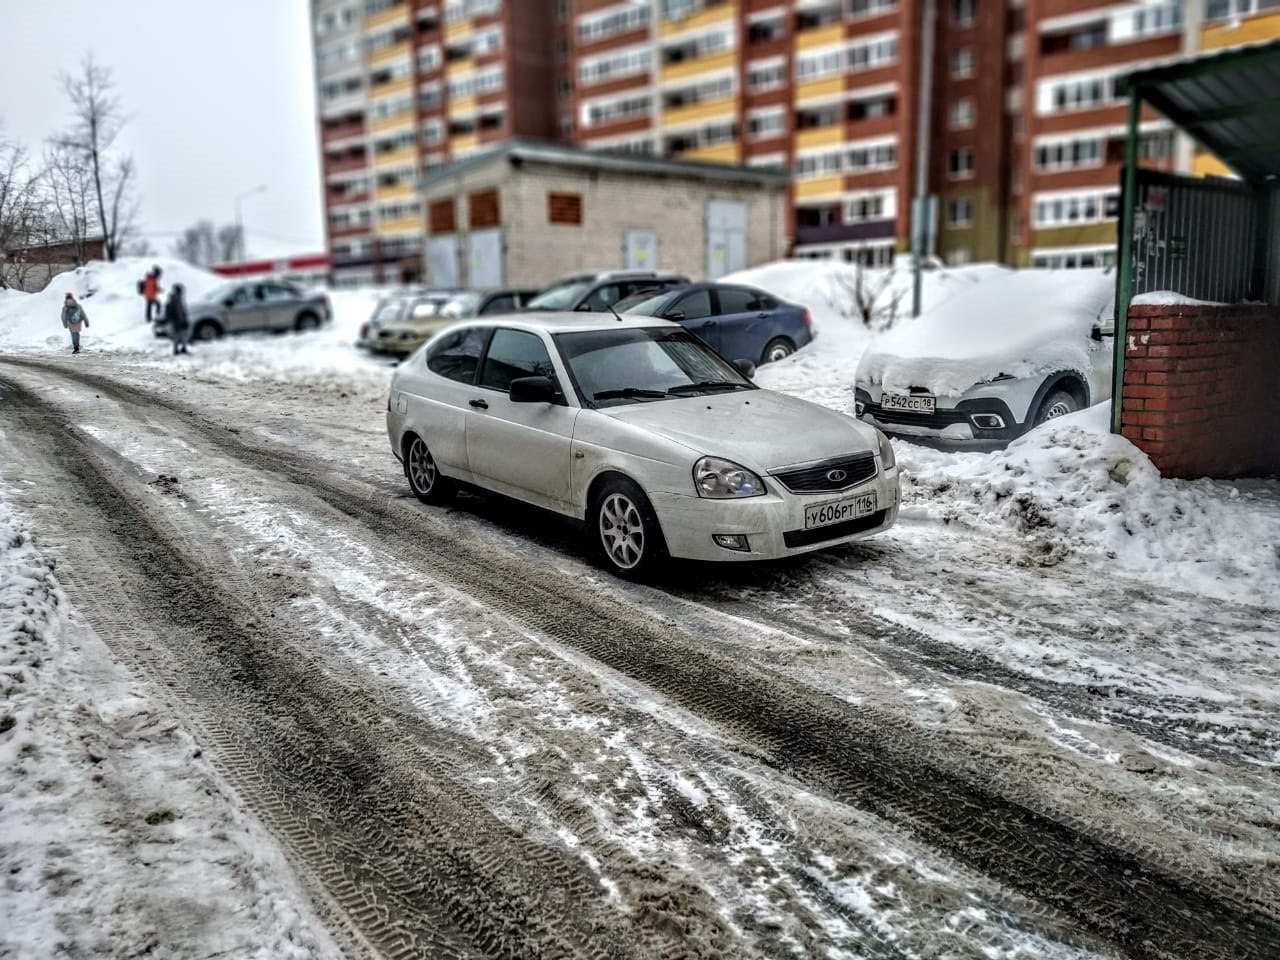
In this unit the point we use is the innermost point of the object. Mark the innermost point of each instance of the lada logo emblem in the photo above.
(836, 476)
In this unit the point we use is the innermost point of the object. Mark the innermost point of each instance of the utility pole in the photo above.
(920, 206)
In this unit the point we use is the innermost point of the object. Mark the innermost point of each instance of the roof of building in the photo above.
(520, 150)
(1229, 101)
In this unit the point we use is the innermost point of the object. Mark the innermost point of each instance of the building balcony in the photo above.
(342, 131)
(396, 51)
(826, 89)
(345, 164)
(724, 109)
(697, 66)
(402, 226)
(712, 15)
(816, 188)
(829, 136)
(405, 118)
(819, 37)
(730, 152)
(406, 157)
(847, 232)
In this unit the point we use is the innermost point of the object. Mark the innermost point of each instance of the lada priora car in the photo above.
(638, 428)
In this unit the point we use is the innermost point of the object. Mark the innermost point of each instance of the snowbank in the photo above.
(1073, 487)
(1022, 323)
(109, 294)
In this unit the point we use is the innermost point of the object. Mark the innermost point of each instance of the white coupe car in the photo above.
(641, 430)
(994, 360)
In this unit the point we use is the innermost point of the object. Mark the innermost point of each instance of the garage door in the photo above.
(484, 259)
(726, 237)
(442, 262)
(640, 250)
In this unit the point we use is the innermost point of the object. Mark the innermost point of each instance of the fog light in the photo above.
(988, 421)
(858, 407)
(731, 541)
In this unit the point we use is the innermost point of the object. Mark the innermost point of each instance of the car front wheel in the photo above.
(1057, 404)
(424, 476)
(206, 330)
(625, 528)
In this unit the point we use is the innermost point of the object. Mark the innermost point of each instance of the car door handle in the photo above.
(708, 323)
(480, 404)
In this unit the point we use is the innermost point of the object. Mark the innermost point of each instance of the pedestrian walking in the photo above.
(73, 319)
(149, 287)
(176, 319)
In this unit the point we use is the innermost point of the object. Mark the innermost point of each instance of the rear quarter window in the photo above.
(457, 356)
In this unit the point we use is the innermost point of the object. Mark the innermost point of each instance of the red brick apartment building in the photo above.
(1025, 129)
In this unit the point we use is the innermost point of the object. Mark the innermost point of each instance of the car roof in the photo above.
(575, 321)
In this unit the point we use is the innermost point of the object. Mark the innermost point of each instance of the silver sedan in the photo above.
(661, 446)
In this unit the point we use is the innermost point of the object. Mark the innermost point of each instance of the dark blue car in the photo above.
(740, 323)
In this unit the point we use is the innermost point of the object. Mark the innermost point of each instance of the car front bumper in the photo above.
(977, 419)
(773, 525)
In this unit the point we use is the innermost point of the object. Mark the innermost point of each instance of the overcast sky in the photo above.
(220, 98)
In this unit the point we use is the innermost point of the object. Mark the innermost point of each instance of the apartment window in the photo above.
(764, 124)
(622, 18)
(487, 41)
(859, 55)
(961, 114)
(563, 88)
(617, 63)
(1069, 209)
(960, 163)
(1068, 154)
(429, 96)
(429, 58)
(1225, 9)
(562, 10)
(717, 89)
(767, 160)
(564, 208)
(963, 12)
(562, 48)
(772, 27)
(597, 112)
(433, 131)
(1162, 19)
(456, 10)
(766, 75)
(866, 8)
(960, 212)
(1074, 259)
(1076, 93)
(881, 205)
(962, 63)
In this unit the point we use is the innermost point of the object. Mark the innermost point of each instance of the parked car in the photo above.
(639, 429)
(737, 321)
(993, 361)
(599, 290)
(256, 305)
(375, 334)
(478, 303)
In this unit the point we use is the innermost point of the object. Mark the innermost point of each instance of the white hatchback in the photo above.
(642, 431)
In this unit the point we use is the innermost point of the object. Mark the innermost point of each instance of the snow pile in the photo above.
(1073, 487)
(830, 290)
(109, 294)
(115, 837)
(1024, 323)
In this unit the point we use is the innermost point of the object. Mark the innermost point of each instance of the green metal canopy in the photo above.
(1228, 101)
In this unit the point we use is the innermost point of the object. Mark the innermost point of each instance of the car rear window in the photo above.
(457, 355)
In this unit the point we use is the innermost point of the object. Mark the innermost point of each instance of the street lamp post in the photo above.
(240, 222)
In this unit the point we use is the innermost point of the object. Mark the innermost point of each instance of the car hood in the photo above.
(760, 429)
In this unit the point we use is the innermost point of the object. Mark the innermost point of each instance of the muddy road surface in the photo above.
(471, 742)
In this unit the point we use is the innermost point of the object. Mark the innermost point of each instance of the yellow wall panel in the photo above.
(403, 85)
(387, 17)
(385, 194)
(831, 136)
(822, 187)
(387, 54)
(385, 124)
(395, 158)
(724, 109)
(826, 89)
(412, 225)
(1250, 30)
(692, 69)
(1090, 234)
(721, 153)
(819, 37)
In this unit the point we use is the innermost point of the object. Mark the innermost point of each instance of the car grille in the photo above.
(817, 477)
(806, 538)
(913, 418)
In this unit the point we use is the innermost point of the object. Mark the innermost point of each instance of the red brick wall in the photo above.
(1202, 388)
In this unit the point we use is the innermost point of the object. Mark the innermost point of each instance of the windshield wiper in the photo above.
(628, 392)
(708, 385)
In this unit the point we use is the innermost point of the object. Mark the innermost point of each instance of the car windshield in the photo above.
(463, 305)
(560, 296)
(646, 304)
(631, 365)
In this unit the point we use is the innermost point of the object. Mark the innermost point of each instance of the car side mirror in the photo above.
(676, 316)
(583, 307)
(532, 390)
(230, 302)
(745, 367)
(1097, 333)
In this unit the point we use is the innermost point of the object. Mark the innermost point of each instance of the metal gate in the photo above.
(640, 250)
(442, 261)
(484, 259)
(726, 237)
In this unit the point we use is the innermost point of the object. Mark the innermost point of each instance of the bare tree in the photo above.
(230, 243)
(98, 122)
(69, 187)
(204, 244)
(23, 219)
(873, 299)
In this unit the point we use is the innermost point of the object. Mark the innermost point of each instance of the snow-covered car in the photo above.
(642, 431)
(993, 361)
(258, 305)
(401, 324)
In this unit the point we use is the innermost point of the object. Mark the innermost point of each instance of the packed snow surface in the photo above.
(1022, 323)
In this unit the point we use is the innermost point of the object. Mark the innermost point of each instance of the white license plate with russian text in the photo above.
(838, 511)
(916, 402)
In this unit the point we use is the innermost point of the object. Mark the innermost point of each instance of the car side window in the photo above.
(605, 296)
(736, 301)
(503, 303)
(695, 305)
(457, 356)
(277, 292)
(513, 354)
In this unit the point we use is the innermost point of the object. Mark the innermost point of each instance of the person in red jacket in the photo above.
(149, 287)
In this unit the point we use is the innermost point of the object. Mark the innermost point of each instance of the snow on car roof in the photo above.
(1023, 323)
(574, 321)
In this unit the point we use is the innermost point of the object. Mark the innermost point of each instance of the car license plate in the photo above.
(918, 402)
(837, 511)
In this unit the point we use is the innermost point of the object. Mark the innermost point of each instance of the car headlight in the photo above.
(725, 480)
(887, 460)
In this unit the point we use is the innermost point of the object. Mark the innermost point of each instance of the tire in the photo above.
(307, 321)
(624, 529)
(206, 330)
(1057, 404)
(425, 479)
(779, 348)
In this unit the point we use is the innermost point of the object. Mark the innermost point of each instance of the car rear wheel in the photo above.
(206, 330)
(1057, 404)
(625, 528)
(424, 476)
(778, 348)
(307, 321)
